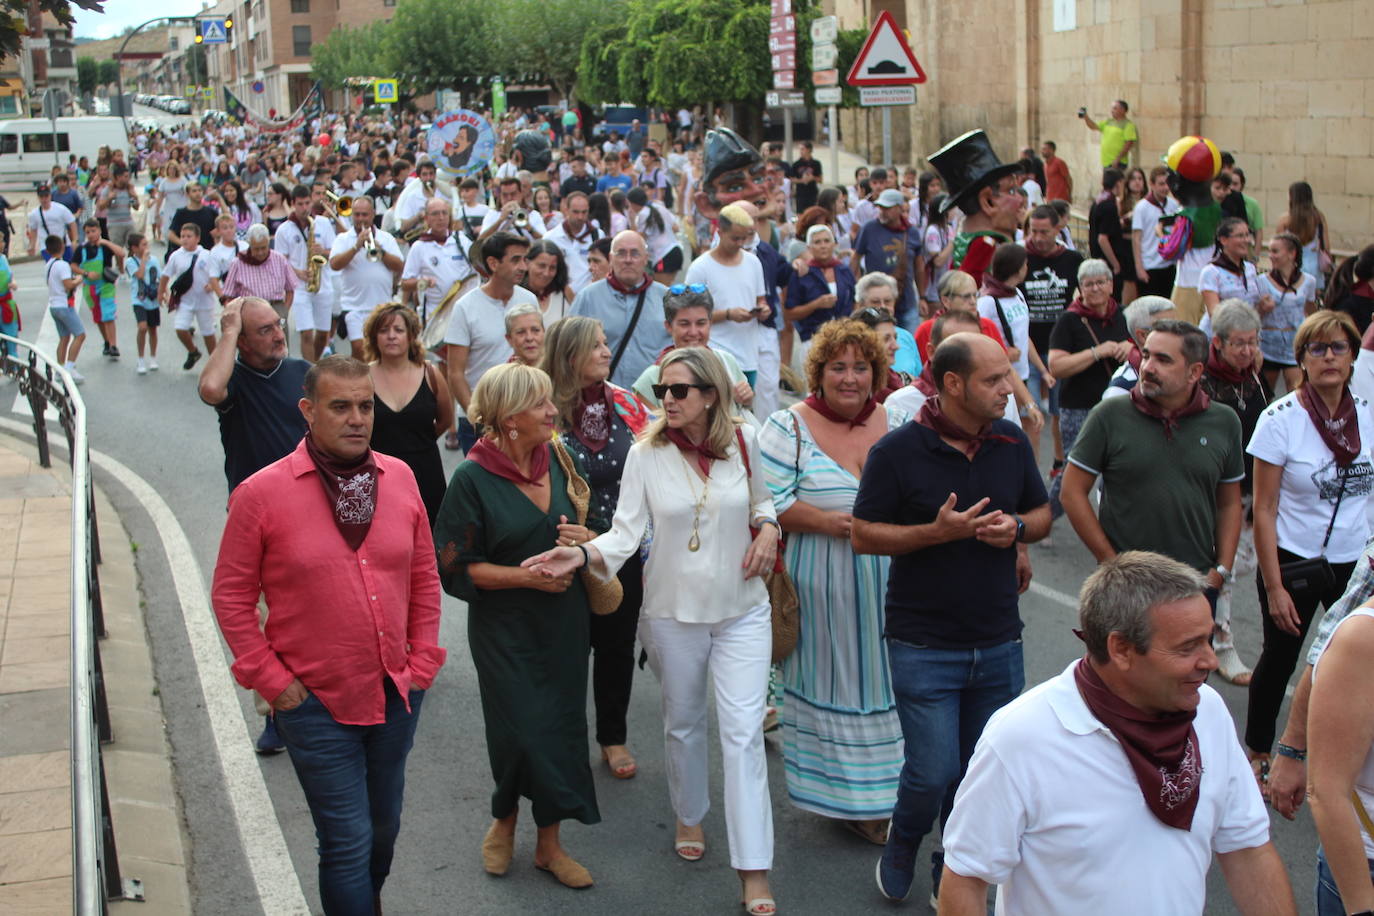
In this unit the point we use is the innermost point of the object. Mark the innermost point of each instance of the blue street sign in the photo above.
(212, 31)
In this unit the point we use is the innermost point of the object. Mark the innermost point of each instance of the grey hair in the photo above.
(1141, 313)
(1234, 316)
(676, 302)
(520, 311)
(257, 233)
(1119, 595)
(1093, 268)
(876, 278)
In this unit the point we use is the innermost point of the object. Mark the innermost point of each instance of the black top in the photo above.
(1359, 308)
(806, 194)
(1049, 287)
(1105, 219)
(1233, 204)
(962, 594)
(260, 418)
(604, 468)
(204, 217)
(586, 184)
(408, 434)
(1248, 400)
(1071, 334)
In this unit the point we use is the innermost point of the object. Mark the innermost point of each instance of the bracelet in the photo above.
(1284, 750)
(770, 521)
(1093, 351)
(586, 558)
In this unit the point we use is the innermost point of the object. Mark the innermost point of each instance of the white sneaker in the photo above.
(76, 376)
(152, 363)
(142, 369)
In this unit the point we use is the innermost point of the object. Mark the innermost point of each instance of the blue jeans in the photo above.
(944, 698)
(1328, 897)
(353, 777)
(467, 434)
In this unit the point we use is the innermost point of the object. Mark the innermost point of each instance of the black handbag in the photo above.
(1311, 580)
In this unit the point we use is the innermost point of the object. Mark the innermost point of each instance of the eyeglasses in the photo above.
(677, 289)
(1337, 348)
(267, 330)
(678, 390)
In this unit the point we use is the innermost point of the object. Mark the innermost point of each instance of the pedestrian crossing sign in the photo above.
(212, 32)
(384, 91)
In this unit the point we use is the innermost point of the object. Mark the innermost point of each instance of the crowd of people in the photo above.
(784, 436)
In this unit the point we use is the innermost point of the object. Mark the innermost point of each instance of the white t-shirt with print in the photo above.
(1018, 316)
(1144, 219)
(1286, 436)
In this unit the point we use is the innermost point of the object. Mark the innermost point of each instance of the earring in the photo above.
(514, 433)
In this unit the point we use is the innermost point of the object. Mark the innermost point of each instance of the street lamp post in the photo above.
(119, 58)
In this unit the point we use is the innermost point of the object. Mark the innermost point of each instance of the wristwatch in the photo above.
(1224, 573)
(1020, 529)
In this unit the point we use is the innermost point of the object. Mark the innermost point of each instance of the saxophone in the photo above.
(314, 270)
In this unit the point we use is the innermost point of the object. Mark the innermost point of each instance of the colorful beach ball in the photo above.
(1194, 158)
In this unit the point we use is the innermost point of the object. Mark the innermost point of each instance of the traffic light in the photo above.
(199, 38)
(228, 23)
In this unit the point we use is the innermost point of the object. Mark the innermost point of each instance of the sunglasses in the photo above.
(1337, 348)
(679, 390)
(677, 289)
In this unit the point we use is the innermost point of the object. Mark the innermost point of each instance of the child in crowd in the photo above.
(143, 274)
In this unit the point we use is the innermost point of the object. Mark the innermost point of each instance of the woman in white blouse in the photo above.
(687, 485)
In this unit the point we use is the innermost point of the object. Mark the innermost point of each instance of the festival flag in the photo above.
(312, 107)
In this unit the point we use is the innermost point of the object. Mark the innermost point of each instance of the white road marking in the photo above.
(1045, 591)
(45, 343)
(260, 833)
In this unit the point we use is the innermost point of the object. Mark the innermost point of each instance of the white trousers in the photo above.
(735, 654)
(769, 372)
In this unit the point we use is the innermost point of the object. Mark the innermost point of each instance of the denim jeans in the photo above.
(353, 777)
(467, 434)
(944, 698)
(1328, 897)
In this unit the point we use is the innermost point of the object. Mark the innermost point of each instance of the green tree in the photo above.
(533, 37)
(363, 51)
(108, 74)
(14, 18)
(848, 44)
(459, 40)
(598, 64)
(87, 75)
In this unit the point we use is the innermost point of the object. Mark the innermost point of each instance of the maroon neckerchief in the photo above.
(1220, 369)
(703, 453)
(1163, 751)
(489, 457)
(1055, 251)
(247, 258)
(351, 488)
(1340, 432)
(933, 417)
(1363, 289)
(925, 382)
(591, 417)
(823, 265)
(1079, 307)
(1196, 405)
(1220, 260)
(893, 383)
(903, 224)
(818, 404)
(1287, 284)
(996, 289)
(626, 290)
(666, 350)
(1159, 204)
(1134, 358)
(586, 231)
(441, 238)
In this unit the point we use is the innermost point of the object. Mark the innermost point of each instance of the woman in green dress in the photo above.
(528, 634)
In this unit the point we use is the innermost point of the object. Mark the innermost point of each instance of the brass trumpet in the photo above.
(343, 204)
(373, 253)
(520, 219)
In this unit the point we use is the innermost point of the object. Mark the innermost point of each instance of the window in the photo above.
(300, 40)
(388, 2)
(42, 143)
(300, 6)
(175, 42)
(9, 105)
(9, 143)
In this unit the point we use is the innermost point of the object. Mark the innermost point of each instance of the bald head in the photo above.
(973, 375)
(629, 258)
(262, 339)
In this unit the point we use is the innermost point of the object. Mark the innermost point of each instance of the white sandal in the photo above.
(1230, 667)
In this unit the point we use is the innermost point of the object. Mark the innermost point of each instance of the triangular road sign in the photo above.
(886, 58)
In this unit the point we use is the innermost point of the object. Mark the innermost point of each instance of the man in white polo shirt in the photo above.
(476, 335)
(1051, 809)
(574, 237)
(439, 257)
(365, 281)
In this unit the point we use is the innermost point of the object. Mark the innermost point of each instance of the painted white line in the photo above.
(1045, 591)
(45, 343)
(260, 834)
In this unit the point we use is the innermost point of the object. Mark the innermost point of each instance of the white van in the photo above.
(26, 144)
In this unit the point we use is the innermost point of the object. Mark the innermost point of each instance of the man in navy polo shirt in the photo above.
(953, 498)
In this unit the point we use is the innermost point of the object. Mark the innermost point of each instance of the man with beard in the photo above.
(985, 189)
(1051, 280)
(1171, 464)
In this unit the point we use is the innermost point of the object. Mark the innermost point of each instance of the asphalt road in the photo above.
(157, 427)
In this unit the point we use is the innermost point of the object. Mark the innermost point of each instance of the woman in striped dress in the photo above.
(842, 741)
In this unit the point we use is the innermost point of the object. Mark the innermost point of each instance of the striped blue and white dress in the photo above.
(842, 741)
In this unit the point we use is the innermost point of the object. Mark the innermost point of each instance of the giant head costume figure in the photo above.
(1193, 162)
(734, 172)
(532, 153)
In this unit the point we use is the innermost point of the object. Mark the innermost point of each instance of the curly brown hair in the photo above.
(812, 216)
(832, 338)
(378, 319)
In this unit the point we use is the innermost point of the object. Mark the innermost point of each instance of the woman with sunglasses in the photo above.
(599, 422)
(1313, 460)
(1287, 295)
(695, 483)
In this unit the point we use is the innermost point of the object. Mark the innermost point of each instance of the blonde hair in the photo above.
(736, 215)
(706, 369)
(566, 345)
(377, 321)
(504, 391)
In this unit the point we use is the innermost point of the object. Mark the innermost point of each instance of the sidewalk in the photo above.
(35, 768)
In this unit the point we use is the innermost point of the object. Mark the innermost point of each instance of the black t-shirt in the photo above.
(1105, 219)
(1049, 287)
(204, 217)
(586, 184)
(1233, 204)
(1359, 308)
(962, 594)
(806, 194)
(1248, 399)
(260, 420)
(1071, 334)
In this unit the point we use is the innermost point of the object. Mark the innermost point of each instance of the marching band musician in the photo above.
(439, 257)
(304, 240)
(368, 262)
(411, 206)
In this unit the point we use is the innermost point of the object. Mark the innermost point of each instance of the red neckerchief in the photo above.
(903, 224)
(351, 488)
(1340, 432)
(489, 457)
(441, 238)
(996, 289)
(1159, 204)
(823, 265)
(666, 350)
(1220, 260)
(9, 312)
(1055, 250)
(591, 416)
(1220, 369)
(1364, 289)
(625, 290)
(819, 406)
(1134, 358)
(247, 258)
(893, 383)
(933, 417)
(1163, 751)
(1196, 405)
(704, 454)
(1079, 307)
(925, 382)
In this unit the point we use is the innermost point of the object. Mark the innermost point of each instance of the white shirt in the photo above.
(575, 253)
(444, 265)
(659, 491)
(58, 270)
(536, 224)
(479, 323)
(412, 201)
(1034, 196)
(1190, 265)
(910, 399)
(52, 221)
(1144, 219)
(223, 255)
(1050, 811)
(1286, 436)
(1018, 316)
(364, 284)
(662, 241)
(1364, 781)
(197, 297)
(735, 287)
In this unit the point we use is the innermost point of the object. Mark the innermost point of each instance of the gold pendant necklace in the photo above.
(694, 542)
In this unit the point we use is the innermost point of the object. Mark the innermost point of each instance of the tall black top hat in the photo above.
(967, 164)
(725, 152)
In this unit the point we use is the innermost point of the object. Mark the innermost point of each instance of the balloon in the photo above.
(324, 140)
(1194, 158)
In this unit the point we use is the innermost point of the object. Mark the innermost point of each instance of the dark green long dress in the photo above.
(529, 647)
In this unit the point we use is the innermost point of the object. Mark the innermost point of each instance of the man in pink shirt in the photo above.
(336, 538)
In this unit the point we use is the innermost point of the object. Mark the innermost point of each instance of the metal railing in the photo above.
(96, 878)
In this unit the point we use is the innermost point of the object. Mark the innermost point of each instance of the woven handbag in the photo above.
(603, 595)
(782, 593)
